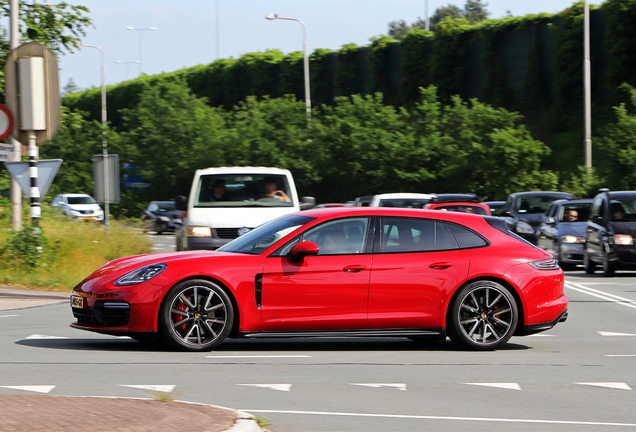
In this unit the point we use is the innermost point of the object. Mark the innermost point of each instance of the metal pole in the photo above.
(34, 193)
(427, 25)
(104, 142)
(587, 80)
(218, 40)
(15, 192)
(141, 42)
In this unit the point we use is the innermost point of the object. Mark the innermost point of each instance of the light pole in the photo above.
(587, 84)
(127, 63)
(427, 25)
(306, 60)
(104, 143)
(141, 32)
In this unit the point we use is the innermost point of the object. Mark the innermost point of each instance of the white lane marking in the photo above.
(541, 335)
(39, 336)
(612, 385)
(32, 388)
(279, 387)
(608, 283)
(601, 294)
(604, 333)
(422, 417)
(620, 355)
(157, 388)
(8, 316)
(259, 356)
(397, 386)
(508, 386)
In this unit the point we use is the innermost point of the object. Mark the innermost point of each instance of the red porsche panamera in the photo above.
(347, 272)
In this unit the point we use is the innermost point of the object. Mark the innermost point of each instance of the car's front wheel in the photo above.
(196, 315)
(608, 266)
(483, 316)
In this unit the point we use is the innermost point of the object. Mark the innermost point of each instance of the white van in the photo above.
(226, 202)
(402, 200)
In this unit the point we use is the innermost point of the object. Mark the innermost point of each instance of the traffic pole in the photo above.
(34, 195)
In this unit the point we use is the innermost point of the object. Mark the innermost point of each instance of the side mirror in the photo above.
(597, 219)
(505, 213)
(549, 221)
(307, 203)
(301, 250)
(181, 203)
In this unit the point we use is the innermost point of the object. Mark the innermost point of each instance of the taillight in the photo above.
(545, 264)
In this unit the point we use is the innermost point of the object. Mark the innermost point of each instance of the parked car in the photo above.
(523, 211)
(78, 206)
(610, 232)
(495, 206)
(329, 205)
(399, 200)
(562, 231)
(160, 217)
(464, 203)
(335, 272)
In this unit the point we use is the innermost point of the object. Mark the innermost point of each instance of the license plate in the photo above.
(77, 302)
(88, 218)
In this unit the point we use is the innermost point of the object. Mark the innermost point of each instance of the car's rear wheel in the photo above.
(196, 315)
(590, 267)
(483, 316)
(608, 266)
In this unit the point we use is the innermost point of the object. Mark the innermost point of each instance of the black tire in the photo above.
(483, 316)
(608, 266)
(157, 230)
(196, 315)
(589, 265)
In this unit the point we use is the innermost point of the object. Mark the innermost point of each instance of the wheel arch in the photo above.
(224, 287)
(500, 281)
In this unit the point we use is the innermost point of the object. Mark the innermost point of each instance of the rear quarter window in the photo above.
(467, 238)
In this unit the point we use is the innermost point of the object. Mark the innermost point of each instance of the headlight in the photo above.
(198, 231)
(141, 275)
(524, 228)
(623, 239)
(165, 219)
(572, 239)
(545, 264)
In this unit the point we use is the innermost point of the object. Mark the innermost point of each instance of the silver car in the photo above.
(79, 206)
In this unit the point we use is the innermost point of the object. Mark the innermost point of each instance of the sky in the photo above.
(186, 30)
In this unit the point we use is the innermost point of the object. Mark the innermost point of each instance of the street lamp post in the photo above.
(587, 84)
(141, 32)
(104, 143)
(126, 63)
(306, 60)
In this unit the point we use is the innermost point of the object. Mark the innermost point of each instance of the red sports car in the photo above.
(350, 272)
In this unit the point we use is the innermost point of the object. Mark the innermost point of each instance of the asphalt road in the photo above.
(577, 377)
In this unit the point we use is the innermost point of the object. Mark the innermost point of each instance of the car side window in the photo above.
(598, 208)
(467, 238)
(414, 235)
(339, 237)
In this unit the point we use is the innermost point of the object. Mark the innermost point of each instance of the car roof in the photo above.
(617, 194)
(243, 170)
(333, 212)
(574, 201)
(542, 193)
(399, 195)
(75, 195)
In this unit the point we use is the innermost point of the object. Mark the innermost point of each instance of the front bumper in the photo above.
(571, 253)
(623, 257)
(205, 243)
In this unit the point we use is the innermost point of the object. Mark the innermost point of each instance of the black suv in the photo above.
(523, 211)
(610, 232)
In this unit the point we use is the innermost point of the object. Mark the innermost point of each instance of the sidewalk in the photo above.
(40, 413)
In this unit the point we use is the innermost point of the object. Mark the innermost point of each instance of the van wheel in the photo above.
(590, 267)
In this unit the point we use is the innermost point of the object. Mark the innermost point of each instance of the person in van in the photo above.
(270, 190)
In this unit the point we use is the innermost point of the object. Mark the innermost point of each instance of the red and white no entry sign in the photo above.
(6, 122)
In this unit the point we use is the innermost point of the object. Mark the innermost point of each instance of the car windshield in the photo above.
(574, 212)
(80, 200)
(165, 207)
(262, 237)
(535, 204)
(623, 209)
(463, 208)
(243, 190)
(404, 203)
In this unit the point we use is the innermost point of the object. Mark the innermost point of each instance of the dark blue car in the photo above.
(160, 217)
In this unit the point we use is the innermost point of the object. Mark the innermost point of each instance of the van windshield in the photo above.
(243, 190)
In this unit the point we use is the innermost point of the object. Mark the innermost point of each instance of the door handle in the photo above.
(441, 265)
(354, 268)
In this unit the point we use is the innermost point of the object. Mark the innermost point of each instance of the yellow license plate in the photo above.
(77, 302)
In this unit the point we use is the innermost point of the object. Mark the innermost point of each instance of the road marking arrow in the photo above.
(32, 388)
(508, 386)
(157, 388)
(602, 333)
(39, 336)
(397, 386)
(612, 385)
(279, 387)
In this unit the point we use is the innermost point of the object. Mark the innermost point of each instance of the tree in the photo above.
(474, 11)
(70, 87)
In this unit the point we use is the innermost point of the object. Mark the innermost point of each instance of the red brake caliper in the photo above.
(177, 317)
